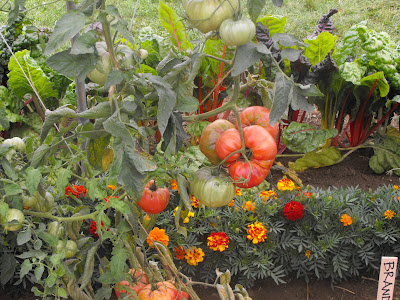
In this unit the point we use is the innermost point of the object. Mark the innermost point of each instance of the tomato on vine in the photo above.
(258, 115)
(237, 33)
(239, 172)
(154, 199)
(160, 290)
(207, 15)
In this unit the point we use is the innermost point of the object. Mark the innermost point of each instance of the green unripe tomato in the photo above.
(143, 53)
(13, 220)
(71, 248)
(56, 229)
(29, 202)
(212, 187)
(17, 143)
(207, 15)
(237, 33)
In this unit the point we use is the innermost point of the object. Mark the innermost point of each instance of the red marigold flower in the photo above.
(180, 252)
(195, 203)
(75, 190)
(93, 228)
(218, 241)
(293, 210)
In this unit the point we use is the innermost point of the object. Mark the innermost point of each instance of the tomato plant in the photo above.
(207, 15)
(210, 136)
(139, 280)
(154, 199)
(13, 220)
(237, 32)
(160, 290)
(239, 172)
(212, 187)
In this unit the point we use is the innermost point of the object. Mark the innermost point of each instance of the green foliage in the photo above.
(319, 47)
(386, 156)
(316, 159)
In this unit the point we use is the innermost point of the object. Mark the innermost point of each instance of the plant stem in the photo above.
(48, 215)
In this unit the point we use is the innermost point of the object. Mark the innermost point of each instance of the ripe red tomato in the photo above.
(164, 290)
(259, 143)
(139, 280)
(210, 136)
(154, 199)
(258, 115)
(239, 170)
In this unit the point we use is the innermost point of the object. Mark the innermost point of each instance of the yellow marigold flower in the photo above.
(218, 241)
(175, 210)
(389, 214)
(346, 220)
(194, 256)
(111, 187)
(190, 214)
(174, 185)
(266, 195)
(308, 253)
(238, 192)
(285, 184)
(195, 202)
(256, 232)
(157, 235)
(231, 204)
(249, 206)
(396, 187)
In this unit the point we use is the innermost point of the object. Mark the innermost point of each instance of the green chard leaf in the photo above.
(319, 47)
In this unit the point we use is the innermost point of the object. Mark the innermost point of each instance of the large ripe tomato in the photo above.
(164, 290)
(154, 199)
(139, 280)
(239, 170)
(237, 33)
(260, 145)
(258, 115)
(207, 15)
(210, 136)
(212, 187)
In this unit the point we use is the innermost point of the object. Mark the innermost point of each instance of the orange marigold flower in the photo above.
(396, 187)
(194, 256)
(256, 232)
(285, 184)
(231, 204)
(346, 220)
(195, 202)
(238, 192)
(180, 252)
(266, 195)
(157, 235)
(111, 187)
(174, 185)
(249, 206)
(75, 190)
(308, 253)
(305, 194)
(389, 214)
(218, 241)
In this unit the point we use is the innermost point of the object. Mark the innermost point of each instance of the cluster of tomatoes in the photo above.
(221, 141)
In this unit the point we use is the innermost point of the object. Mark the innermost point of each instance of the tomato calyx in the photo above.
(153, 187)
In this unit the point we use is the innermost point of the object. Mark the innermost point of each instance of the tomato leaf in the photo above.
(319, 47)
(8, 265)
(247, 55)
(67, 27)
(53, 117)
(39, 154)
(254, 8)
(24, 236)
(33, 177)
(84, 44)
(118, 265)
(77, 66)
(175, 27)
(301, 137)
(63, 176)
(19, 83)
(96, 150)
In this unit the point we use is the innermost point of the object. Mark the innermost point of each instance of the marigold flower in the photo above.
(174, 185)
(346, 220)
(389, 214)
(238, 192)
(194, 256)
(396, 187)
(256, 232)
(111, 187)
(266, 195)
(249, 206)
(93, 228)
(190, 214)
(305, 194)
(75, 190)
(293, 210)
(231, 204)
(308, 253)
(180, 252)
(195, 202)
(285, 184)
(218, 241)
(157, 235)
